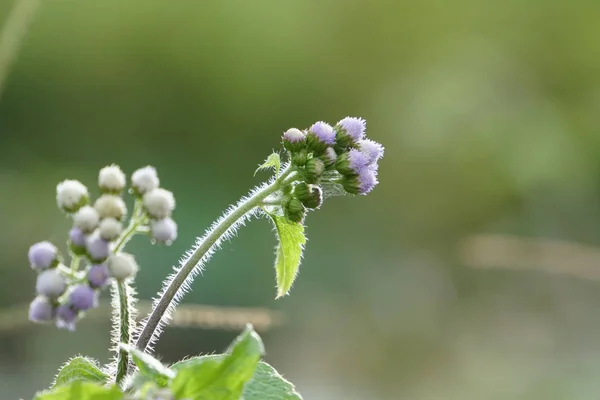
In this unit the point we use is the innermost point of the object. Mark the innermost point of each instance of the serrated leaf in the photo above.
(149, 367)
(80, 369)
(220, 378)
(273, 161)
(80, 390)
(289, 252)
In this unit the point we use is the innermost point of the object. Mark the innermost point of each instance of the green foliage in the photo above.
(289, 252)
(273, 161)
(79, 369)
(220, 378)
(80, 390)
(150, 369)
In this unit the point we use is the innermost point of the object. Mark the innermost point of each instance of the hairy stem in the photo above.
(177, 284)
(12, 34)
(124, 297)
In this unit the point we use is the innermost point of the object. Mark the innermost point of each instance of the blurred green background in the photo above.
(490, 114)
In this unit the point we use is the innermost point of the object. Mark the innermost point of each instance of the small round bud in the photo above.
(83, 297)
(98, 249)
(77, 241)
(50, 283)
(71, 195)
(110, 206)
(320, 136)
(315, 198)
(351, 163)
(301, 190)
(86, 219)
(294, 205)
(163, 230)
(299, 158)
(98, 275)
(66, 316)
(314, 169)
(110, 229)
(294, 140)
(122, 266)
(159, 203)
(371, 149)
(329, 157)
(350, 130)
(144, 180)
(43, 255)
(111, 179)
(41, 310)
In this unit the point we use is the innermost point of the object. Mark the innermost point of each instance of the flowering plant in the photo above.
(321, 161)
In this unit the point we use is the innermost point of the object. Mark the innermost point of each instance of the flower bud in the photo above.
(362, 183)
(320, 135)
(41, 310)
(144, 180)
(110, 229)
(77, 241)
(163, 230)
(294, 210)
(83, 297)
(299, 158)
(349, 131)
(110, 206)
(314, 169)
(314, 198)
(86, 219)
(66, 316)
(159, 203)
(294, 140)
(111, 179)
(351, 163)
(71, 195)
(122, 266)
(98, 249)
(329, 157)
(50, 283)
(43, 255)
(98, 275)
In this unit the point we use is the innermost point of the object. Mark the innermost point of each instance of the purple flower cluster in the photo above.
(64, 293)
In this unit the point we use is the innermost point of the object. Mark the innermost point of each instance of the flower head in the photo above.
(353, 127)
(43, 255)
(163, 230)
(86, 219)
(324, 132)
(362, 183)
(83, 297)
(98, 275)
(110, 206)
(98, 249)
(352, 162)
(40, 310)
(109, 229)
(293, 139)
(159, 203)
(77, 237)
(66, 316)
(144, 180)
(50, 283)
(71, 195)
(122, 266)
(371, 149)
(111, 179)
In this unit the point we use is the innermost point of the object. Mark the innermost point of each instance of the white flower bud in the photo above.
(86, 219)
(111, 179)
(71, 195)
(110, 206)
(122, 266)
(110, 229)
(159, 203)
(144, 180)
(50, 284)
(164, 230)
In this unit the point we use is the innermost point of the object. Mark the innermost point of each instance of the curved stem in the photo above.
(124, 295)
(212, 238)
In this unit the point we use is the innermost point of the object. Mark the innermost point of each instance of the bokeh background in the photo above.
(490, 114)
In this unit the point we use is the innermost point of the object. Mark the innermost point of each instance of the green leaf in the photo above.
(80, 369)
(80, 390)
(288, 253)
(273, 161)
(149, 367)
(220, 378)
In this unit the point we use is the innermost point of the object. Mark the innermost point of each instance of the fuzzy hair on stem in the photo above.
(191, 264)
